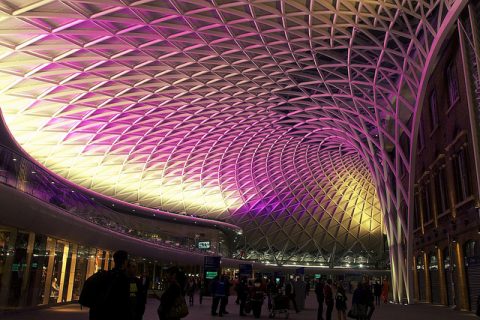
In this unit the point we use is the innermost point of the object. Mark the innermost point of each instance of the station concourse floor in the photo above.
(202, 312)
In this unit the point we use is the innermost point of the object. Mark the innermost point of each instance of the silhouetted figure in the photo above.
(359, 302)
(106, 293)
(377, 292)
(290, 293)
(370, 300)
(257, 296)
(137, 295)
(218, 288)
(172, 296)
(242, 291)
(341, 303)
(328, 292)
(319, 286)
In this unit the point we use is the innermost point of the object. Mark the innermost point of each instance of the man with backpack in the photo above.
(106, 293)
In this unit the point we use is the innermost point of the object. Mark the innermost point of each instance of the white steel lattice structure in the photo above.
(280, 116)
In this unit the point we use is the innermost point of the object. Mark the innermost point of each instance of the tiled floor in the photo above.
(202, 312)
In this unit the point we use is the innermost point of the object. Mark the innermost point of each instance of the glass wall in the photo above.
(37, 270)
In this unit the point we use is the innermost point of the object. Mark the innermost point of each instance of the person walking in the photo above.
(359, 303)
(385, 291)
(172, 297)
(329, 302)
(341, 303)
(218, 292)
(319, 286)
(191, 287)
(370, 300)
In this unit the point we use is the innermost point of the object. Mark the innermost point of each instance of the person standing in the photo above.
(328, 292)
(224, 299)
(377, 292)
(242, 291)
(218, 292)
(191, 287)
(319, 286)
(341, 303)
(136, 292)
(299, 287)
(257, 296)
(290, 293)
(359, 303)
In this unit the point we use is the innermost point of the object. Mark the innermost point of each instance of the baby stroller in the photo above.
(280, 304)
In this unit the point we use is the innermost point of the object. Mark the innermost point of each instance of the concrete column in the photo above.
(48, 279)
(442, 277)
(63, 271)
(71, 276)
(462, 301)
(428, 286)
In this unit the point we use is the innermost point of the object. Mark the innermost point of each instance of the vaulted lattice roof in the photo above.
(279, 115)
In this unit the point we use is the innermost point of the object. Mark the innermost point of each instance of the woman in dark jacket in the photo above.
(170, 295)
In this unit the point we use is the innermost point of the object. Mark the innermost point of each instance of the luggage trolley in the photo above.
(280, 304)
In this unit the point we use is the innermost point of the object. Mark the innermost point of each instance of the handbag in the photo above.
(353, 313)
(179, 308)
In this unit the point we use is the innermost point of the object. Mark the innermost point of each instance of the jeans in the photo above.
(328, 313)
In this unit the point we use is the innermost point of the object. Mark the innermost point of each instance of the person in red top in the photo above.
(328, 292)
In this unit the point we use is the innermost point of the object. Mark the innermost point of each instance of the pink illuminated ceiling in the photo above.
(280, 116)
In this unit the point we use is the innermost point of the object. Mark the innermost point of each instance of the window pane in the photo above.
(452, 79)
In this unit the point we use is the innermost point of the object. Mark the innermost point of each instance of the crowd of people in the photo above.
(122, 295)
(365, 297)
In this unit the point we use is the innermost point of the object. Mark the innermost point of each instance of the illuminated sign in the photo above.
(211, 274)
(204, 245)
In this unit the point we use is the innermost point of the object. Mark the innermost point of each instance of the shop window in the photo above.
(433, 261)
(18, 267)
(80, 275)
(38, 271)
(471, 249)
(452, 83)
(433, 110)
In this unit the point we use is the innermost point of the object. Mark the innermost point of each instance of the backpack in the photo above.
(179, 308)
(95, 290)
(340, 301)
